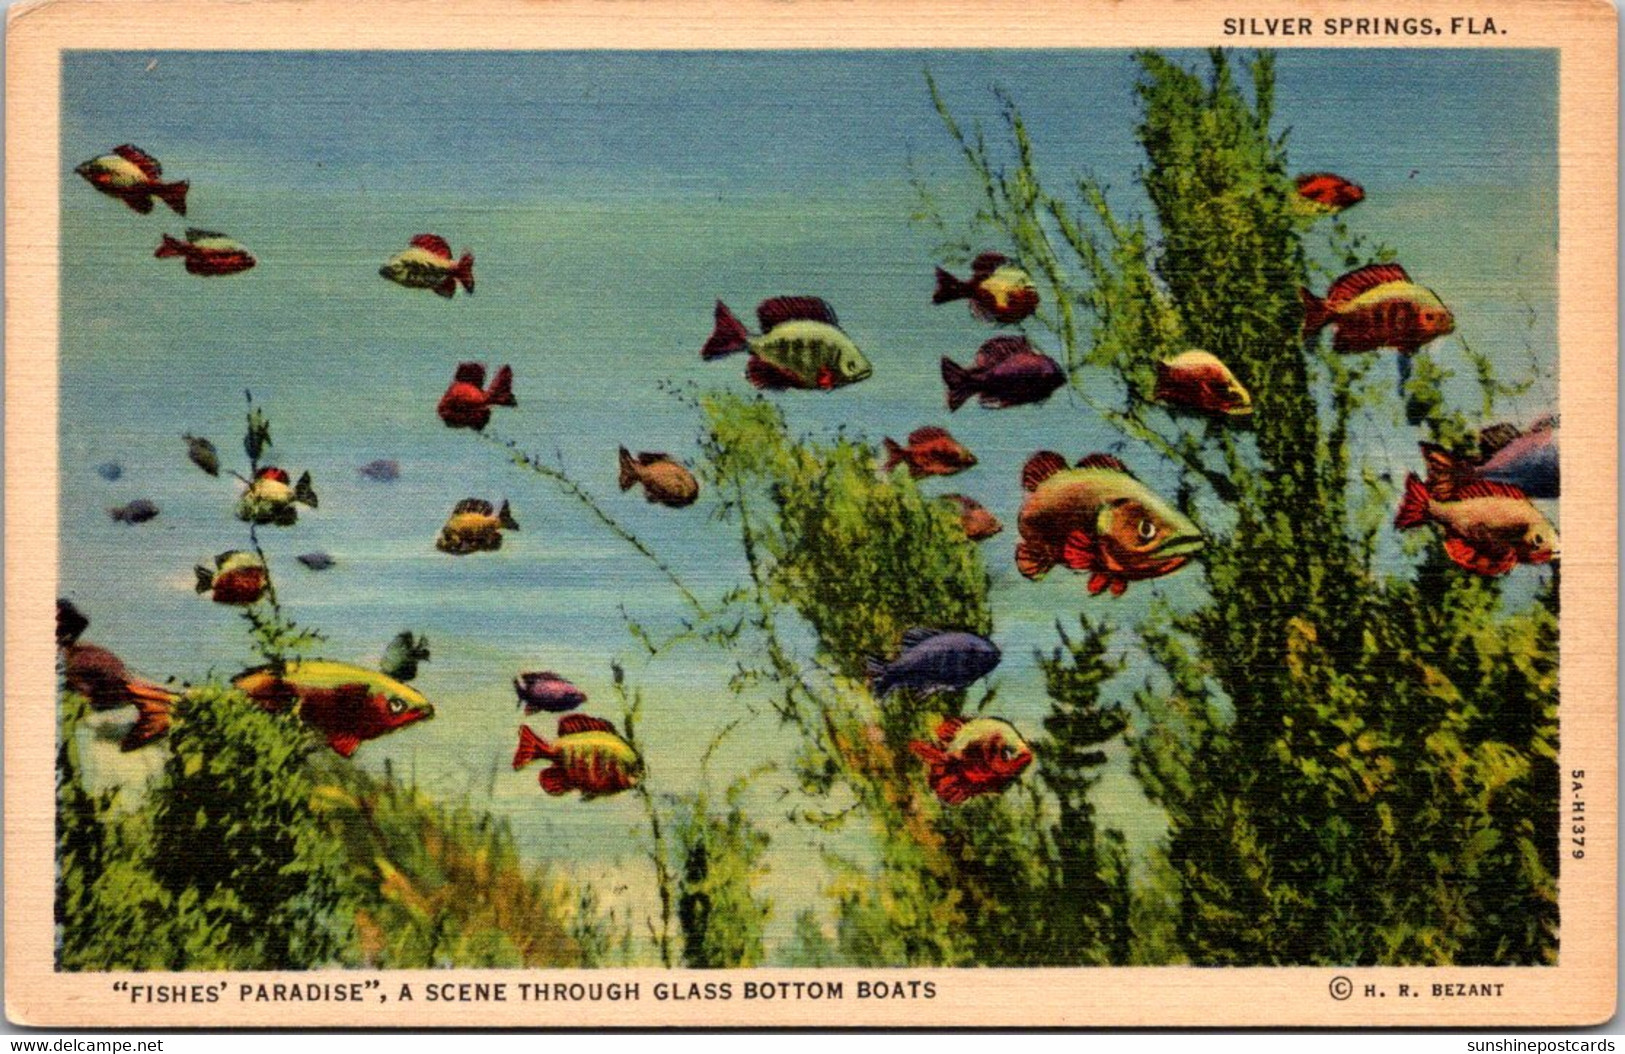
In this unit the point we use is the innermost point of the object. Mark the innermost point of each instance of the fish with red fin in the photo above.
(427, 263)
(1489, 528)
(931, 451)
(546, 690)
(1197, 380)
(1007, 371)
(106, 683)
(134, 177)
(801, 345)
(1527, 460)
(1377, 307)
(977, 522)
(207, 253)
(997, 289)
(273, 499)
(467, 402)
(967, 758)
(237, 577)
(589, 756)
(665, 480)
(347, 705)
(1325, 194)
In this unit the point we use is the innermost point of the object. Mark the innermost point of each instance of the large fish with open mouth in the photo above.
(1098, 518)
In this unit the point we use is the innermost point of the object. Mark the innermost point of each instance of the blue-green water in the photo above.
(610, 199)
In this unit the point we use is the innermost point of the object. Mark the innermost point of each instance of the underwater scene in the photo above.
(867, 508)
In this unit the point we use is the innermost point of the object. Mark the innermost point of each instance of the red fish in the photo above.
(347, 705)
(983, 755)
(467, 403)
(101, 677)
(589, 756)
(931, 451)
(207, 253)
(977, 522)
(998, 290)
(1377, 307)
(1489, 527)
(134, 177)
(1197, 380)
(1327, 193)
(427, 263)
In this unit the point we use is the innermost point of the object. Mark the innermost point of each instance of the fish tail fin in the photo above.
(949, 288)
(205, 578)
(895, 454)
(728, 337)
(170, 247)
(1315, 312)
(1413, 508)
(531, 748)
(465, 272)
(1445, 473)
(876, 671)
(960, 384)
(629, 469)
(501, 391)
(304, 492)
(504, 517)
(153, 706)
(173, 195)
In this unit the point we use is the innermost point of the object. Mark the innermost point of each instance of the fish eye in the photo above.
(1146, 530)
(397, 706)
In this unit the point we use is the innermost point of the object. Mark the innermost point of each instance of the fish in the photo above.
(1489, 527)
(1007, 371)
(207, 253)
(383, 470)
(138, 511)
(978, 523)
(271, 499)
(316, 561)
(665, 480)
(134, 177)
(403, 654)
(475, 526)
(426, 263)
(1325, 194)
(238, 577)
(203, 454)
(965, 758)
(347, 705)
(548, 691)
(467, 402)
(931, 451)
(997, 289)
(110, 470)
(589, 756)
(1098, 518)
(1197, 380)
(801, 345)
(1526, 459)
(71, 623)
(1377, 307)
(932, 661)
(102, 678)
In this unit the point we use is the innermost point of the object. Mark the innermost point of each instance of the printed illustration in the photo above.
(1154, 562)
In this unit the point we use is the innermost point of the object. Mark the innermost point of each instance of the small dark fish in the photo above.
(1323, 194)
(934, 660)
(665, 480)
(382, 470)
(203, 454)
(110, 470)
(931, 451)
(139, 511)
(475, 526)
(547, 691)
(317, 561)
(237, 577)
(997, 289)
(1007, 371)
(467, 403)
(207, 253)
(1526, 459)
(134, 177)
(427, 264)
(402, 656)
(978, 523)
(965, 758)
(70, 622)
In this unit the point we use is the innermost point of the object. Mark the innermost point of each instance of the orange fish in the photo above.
(931, 451)
(997, 289)
(1325, 193)
(1489, 527)
(467, 402)
(983, 755)
(134, 177)
(589, 756)
(1197, 380)
(1377, 307)
(978, 523)
(665, 480)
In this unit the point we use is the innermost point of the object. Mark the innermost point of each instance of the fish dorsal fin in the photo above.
(470, 373)
(919, 635)
(1547, 423)
(1103, 461)
(1489, 488)
(1354, 283)
(987, 263)
(652, 457)
(221, 558)
(148, 164)
(1039, 467)
(1495, 437)
(433, 243)
(573, 724)
(547, 675)
(782, 309)
(948, 729)
(198, 234)
(479, 505)
(998, 349)
(928, 434)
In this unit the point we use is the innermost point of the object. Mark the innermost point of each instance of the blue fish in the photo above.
(1525, 459)
(934, 660)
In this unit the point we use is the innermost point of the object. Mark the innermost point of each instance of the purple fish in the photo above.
(934, 660)
(1525, 459)
(547, 691)
(384, 470)
(1007, 371)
